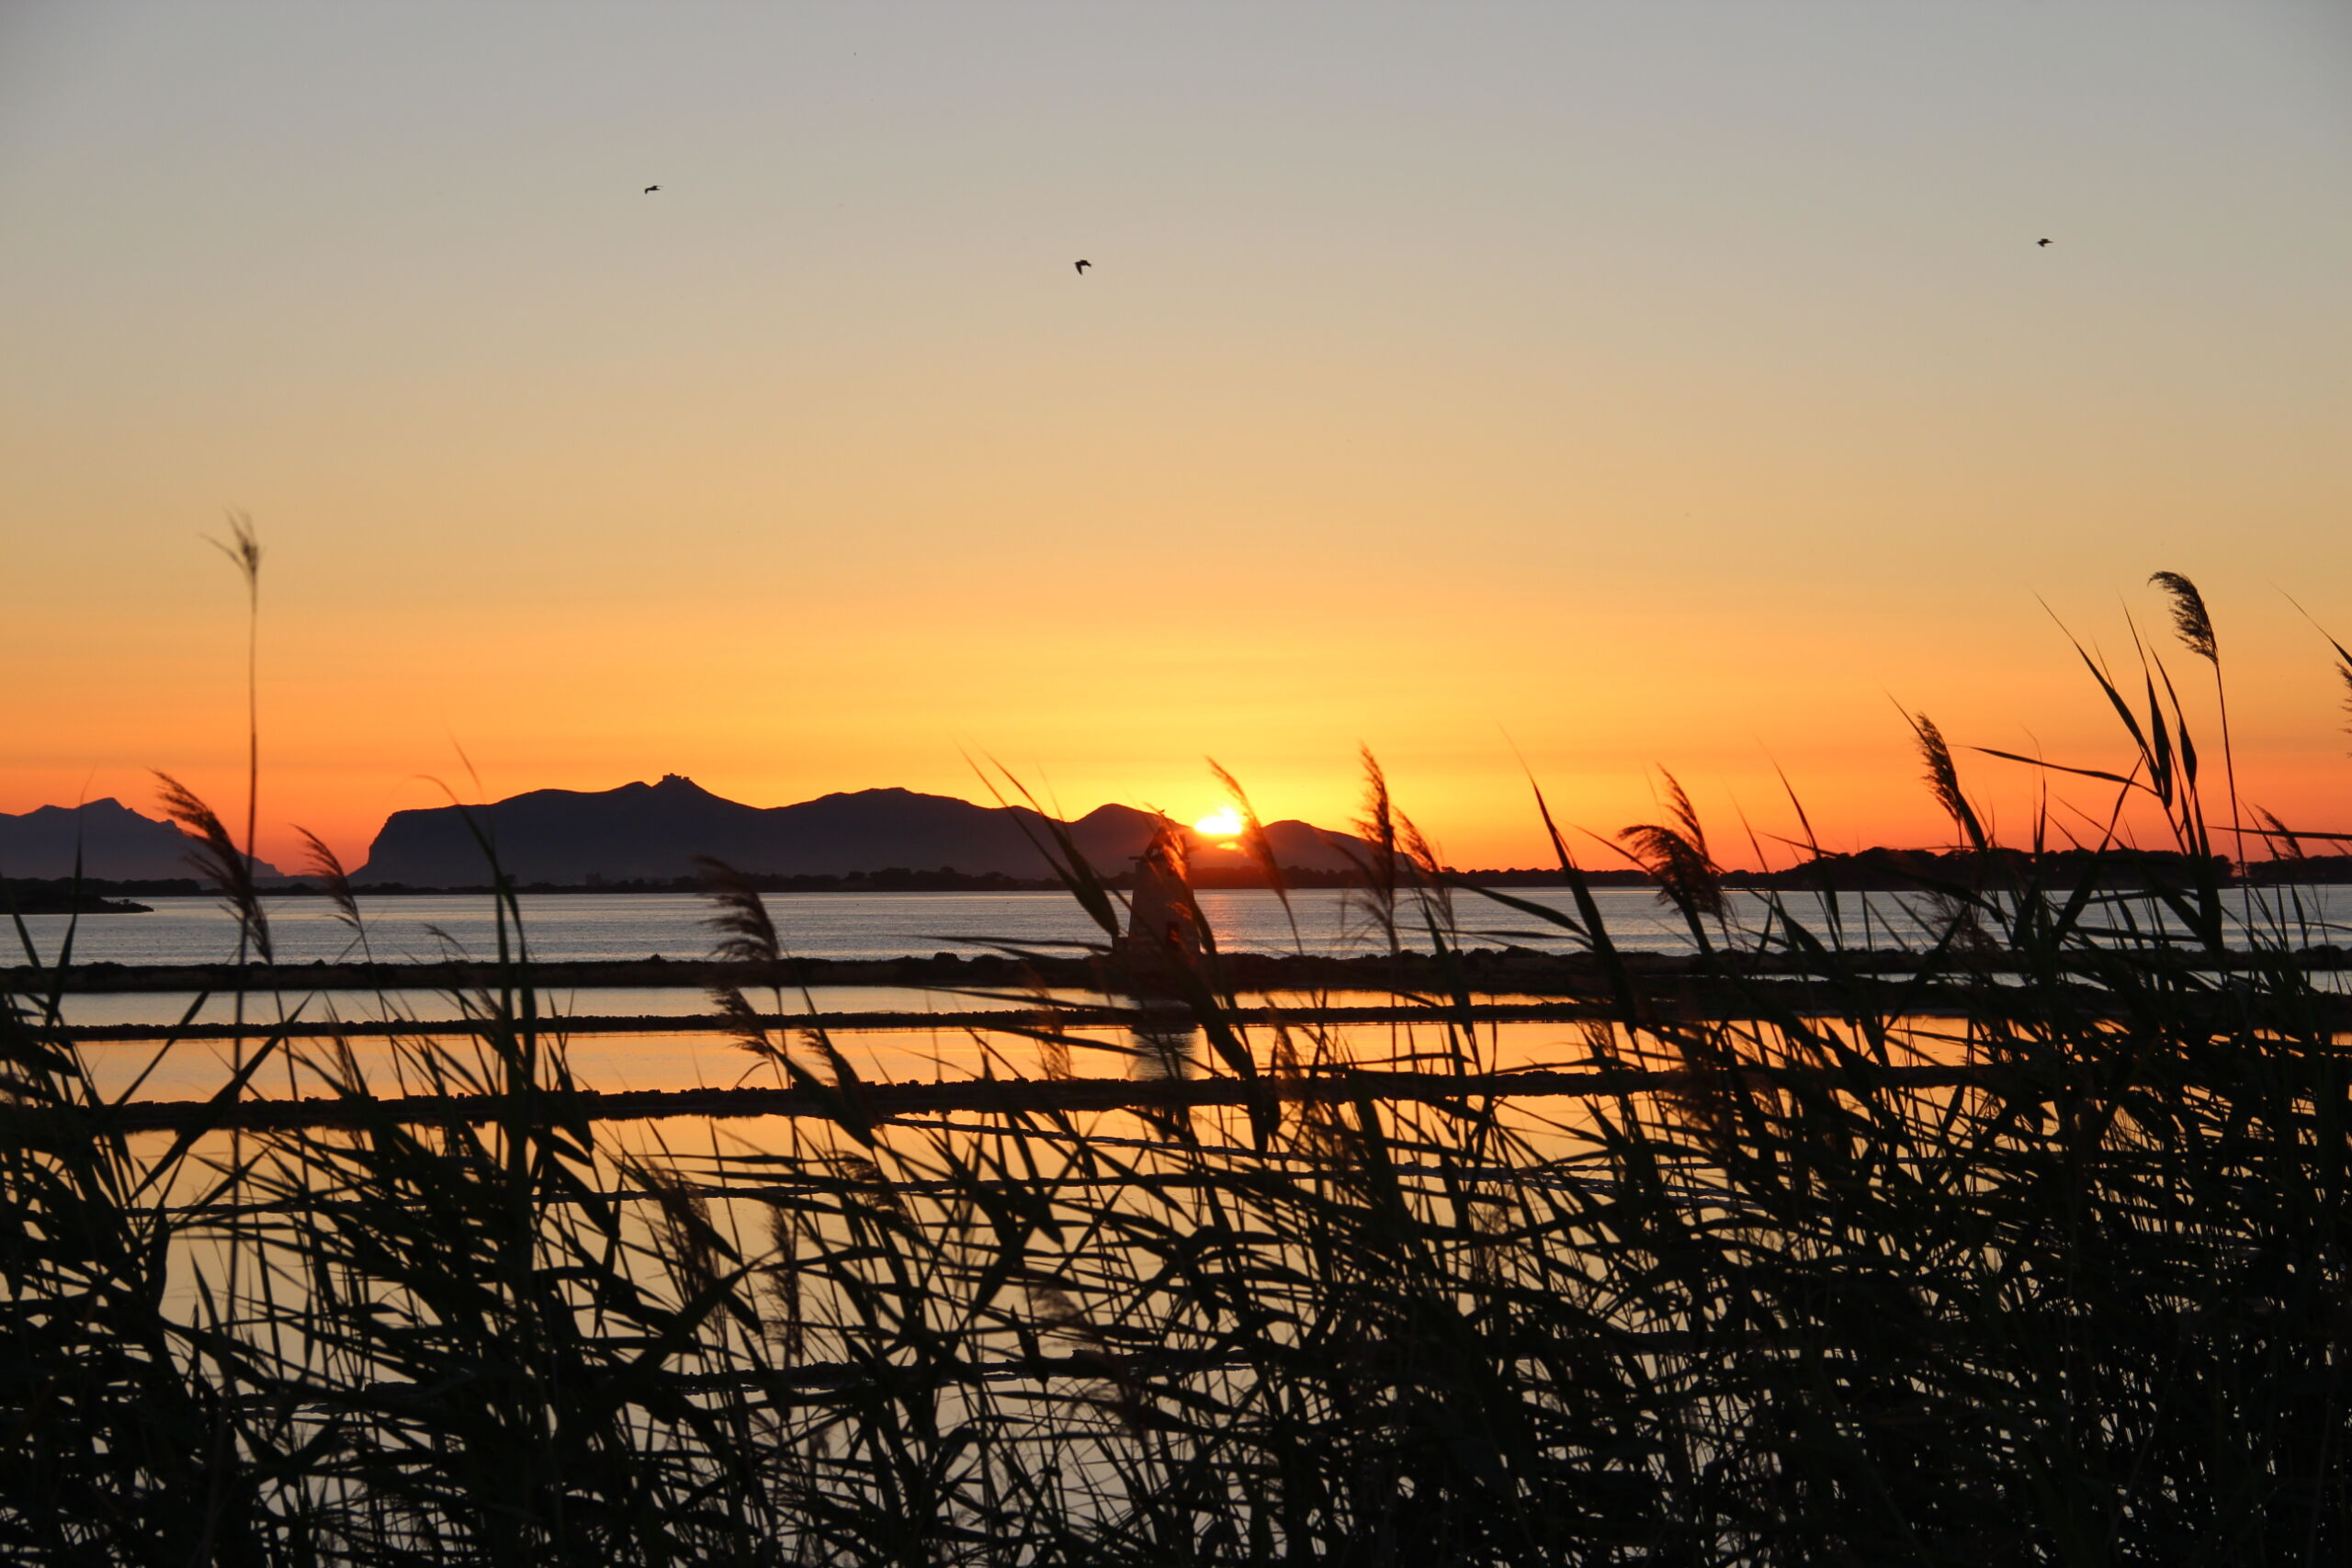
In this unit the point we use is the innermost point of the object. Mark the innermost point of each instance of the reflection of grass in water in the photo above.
(2086, 1305)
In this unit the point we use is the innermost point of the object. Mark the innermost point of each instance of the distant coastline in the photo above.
(54, 898)
(650, 838)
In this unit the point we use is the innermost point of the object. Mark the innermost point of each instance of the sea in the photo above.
(626, 926)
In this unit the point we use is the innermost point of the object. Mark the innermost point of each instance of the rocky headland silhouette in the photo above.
(115, 844)
(652, 833)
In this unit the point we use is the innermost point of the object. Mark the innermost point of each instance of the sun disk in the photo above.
(1223, 823)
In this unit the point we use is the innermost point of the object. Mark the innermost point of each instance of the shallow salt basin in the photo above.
(314, 1015)
(622, 1062)
(164, 1008)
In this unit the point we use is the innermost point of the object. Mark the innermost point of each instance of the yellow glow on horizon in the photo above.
(1225, 822)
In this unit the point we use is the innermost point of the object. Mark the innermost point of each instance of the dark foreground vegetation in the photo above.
(2064, 1280)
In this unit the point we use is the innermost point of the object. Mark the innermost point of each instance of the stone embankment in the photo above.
(1512, 971)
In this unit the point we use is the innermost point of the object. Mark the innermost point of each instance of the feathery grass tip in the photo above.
(2189, 617)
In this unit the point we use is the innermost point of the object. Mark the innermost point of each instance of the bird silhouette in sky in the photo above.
(650, 189)
(2041, 241)
(1082, 267)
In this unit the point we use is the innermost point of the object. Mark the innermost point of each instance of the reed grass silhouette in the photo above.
(2076, 1297)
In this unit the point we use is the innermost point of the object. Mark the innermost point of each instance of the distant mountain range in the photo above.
(117, 844)
(643, 832)
(652, 832)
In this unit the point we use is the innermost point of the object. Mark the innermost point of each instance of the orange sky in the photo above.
(1624, 385)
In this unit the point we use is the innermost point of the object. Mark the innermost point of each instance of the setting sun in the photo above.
(1225, 822)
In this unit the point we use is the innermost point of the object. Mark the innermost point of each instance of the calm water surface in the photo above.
(828, 925)
(592, 926)
(606, 926)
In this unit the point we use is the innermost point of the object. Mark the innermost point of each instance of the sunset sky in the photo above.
(1608, 385)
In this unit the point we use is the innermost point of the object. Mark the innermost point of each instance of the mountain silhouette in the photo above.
(117, 844)
(653, 831)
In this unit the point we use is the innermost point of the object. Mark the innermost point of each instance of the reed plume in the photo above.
(2189, 617)
(747, 932)
(243, 547)
(745, 1026)
(1943, 780)
(1260, 848)
(244, 550)
(1375, 824)
(1675, 853)
(217, 858)
(2280, 835)
(320, 860)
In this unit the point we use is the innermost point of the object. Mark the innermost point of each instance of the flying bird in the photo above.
(650, 189)
(2041, 241)
(1082, 267)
